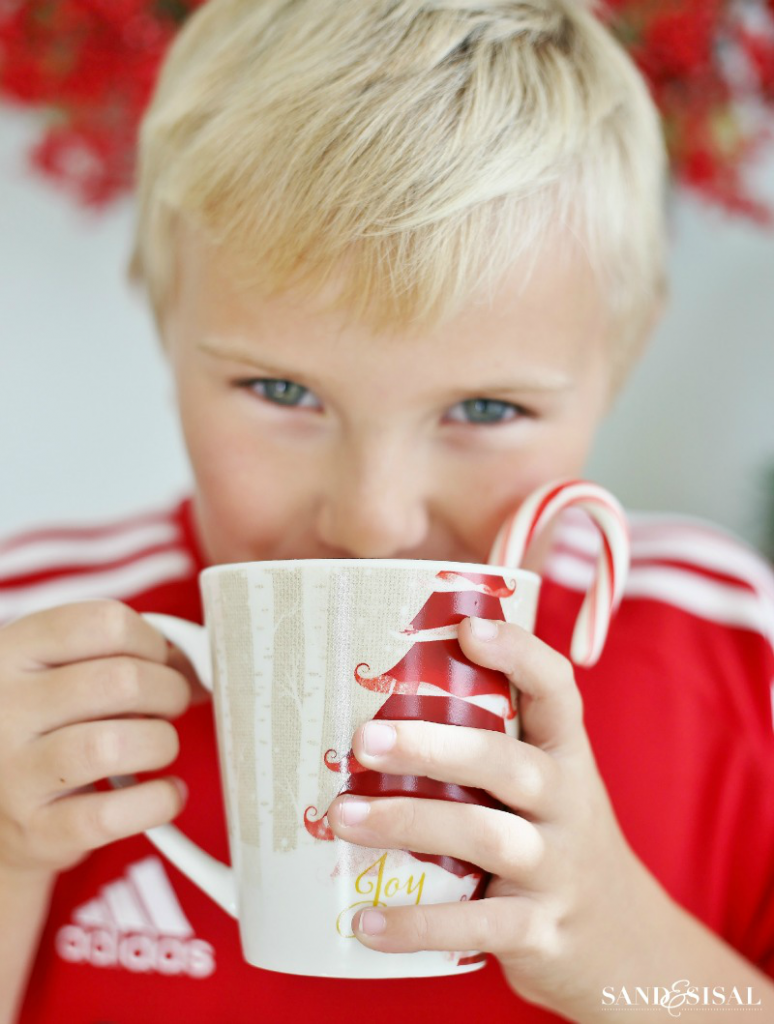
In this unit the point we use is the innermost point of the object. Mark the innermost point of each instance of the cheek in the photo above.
(246, 507)
(501, 484)
(247, 492)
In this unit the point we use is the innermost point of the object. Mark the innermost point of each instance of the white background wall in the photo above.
(87, 428)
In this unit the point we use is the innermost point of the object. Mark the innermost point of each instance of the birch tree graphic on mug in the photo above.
(433, 682)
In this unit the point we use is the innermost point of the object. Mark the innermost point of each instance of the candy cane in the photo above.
(604, 595)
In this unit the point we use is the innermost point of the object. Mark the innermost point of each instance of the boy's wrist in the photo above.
(25, 895)
(627, 955)
(663, 951)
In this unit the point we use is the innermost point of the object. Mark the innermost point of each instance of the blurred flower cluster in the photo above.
(710, 65)
(91, 64)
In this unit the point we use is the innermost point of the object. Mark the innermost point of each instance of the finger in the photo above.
(497, 841)
(79, 632)
(106, 688)
(549, 700)
(91, 820)
(491, 925)
(519, 775)
(79, 755)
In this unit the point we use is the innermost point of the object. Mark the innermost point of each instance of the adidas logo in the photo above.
(136, 923)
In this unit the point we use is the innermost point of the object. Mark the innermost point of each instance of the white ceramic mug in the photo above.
(302, 653)
(299, 654)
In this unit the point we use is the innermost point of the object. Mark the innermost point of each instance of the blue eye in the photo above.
(485, 411)
(282, 392)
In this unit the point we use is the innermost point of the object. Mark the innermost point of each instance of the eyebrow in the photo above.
(546, 383)
(233, 351)
(227, 349)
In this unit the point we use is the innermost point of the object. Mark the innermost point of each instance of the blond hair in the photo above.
(424, 146)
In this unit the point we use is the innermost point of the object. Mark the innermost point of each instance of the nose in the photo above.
(374, 499)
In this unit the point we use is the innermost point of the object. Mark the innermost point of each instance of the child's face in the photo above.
(310, 437)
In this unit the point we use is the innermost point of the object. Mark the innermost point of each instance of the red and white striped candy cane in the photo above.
(604, 595)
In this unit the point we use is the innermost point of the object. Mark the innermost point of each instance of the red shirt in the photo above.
(679, 711)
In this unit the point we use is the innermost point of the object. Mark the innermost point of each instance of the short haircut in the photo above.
(413, 149)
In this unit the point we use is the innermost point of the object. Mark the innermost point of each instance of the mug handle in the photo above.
(216, 879)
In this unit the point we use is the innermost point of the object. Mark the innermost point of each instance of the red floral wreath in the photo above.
(92, 64)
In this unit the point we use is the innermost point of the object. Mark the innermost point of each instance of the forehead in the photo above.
(547, 311)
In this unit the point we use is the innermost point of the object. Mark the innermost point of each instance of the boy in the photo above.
(401, 254)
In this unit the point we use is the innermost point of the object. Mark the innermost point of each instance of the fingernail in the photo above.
(372, 922)
(483, 629)
(182, 789)
(378, 738)
(352, 811)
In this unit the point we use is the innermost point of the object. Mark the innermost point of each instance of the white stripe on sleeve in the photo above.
(53, 553)
(678, 539)
(711, 599)
(118, 583)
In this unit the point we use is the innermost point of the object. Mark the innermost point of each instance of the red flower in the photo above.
(761, 54)
(95, 61)
(116, 13)
(680, 43)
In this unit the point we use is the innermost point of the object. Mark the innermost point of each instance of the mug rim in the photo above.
(375, 563)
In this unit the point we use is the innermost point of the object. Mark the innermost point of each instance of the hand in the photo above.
(86, 691)
(564, 882)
